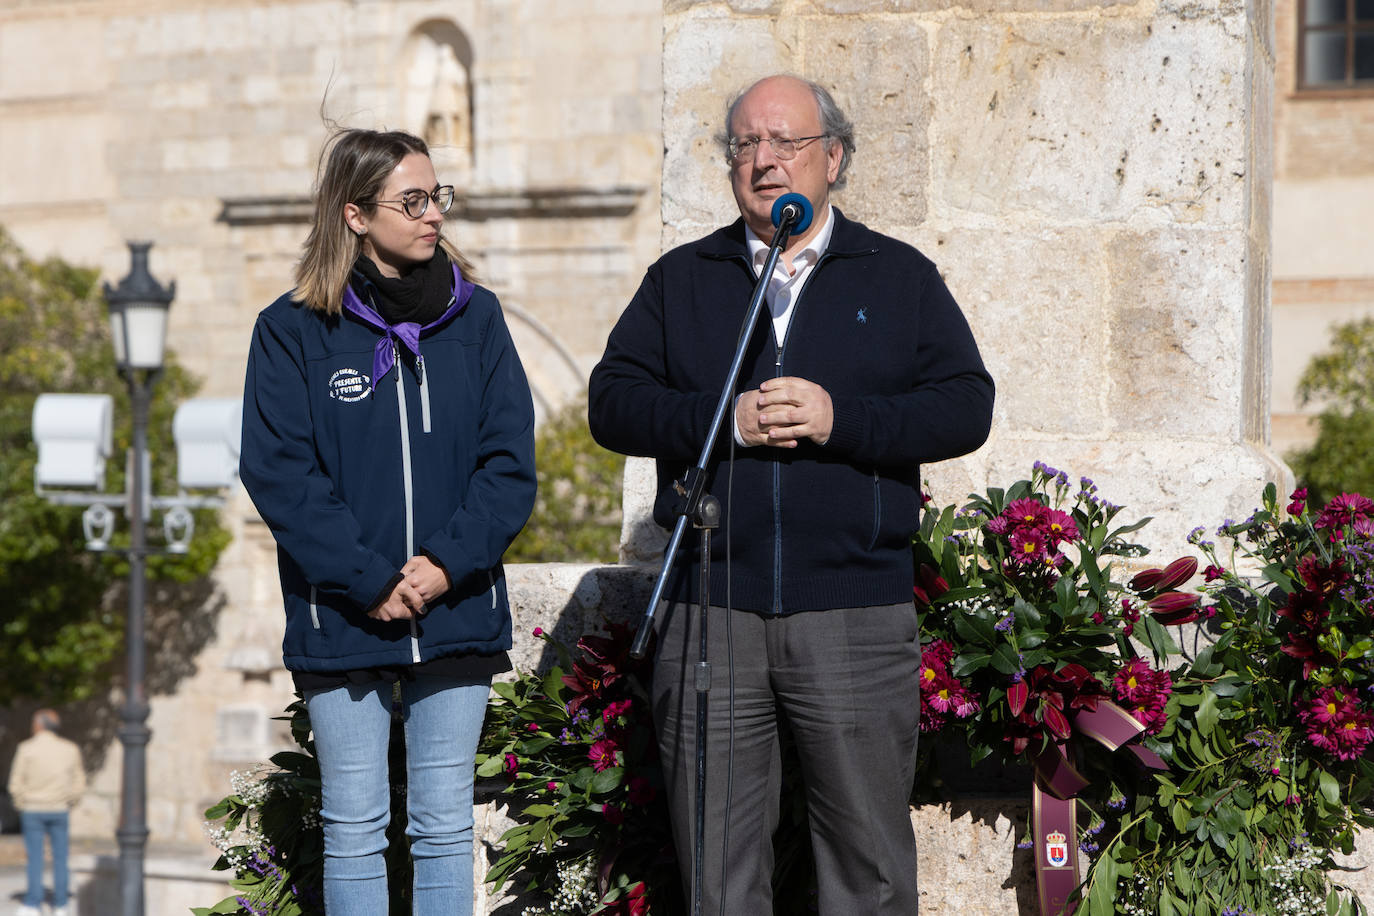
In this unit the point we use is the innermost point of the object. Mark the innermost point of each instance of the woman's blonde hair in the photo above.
(354, 166)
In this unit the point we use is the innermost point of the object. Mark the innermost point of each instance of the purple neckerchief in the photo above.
(407, 333)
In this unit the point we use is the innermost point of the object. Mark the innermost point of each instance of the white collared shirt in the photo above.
(785, 286)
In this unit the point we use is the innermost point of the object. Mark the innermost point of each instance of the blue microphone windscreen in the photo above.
(806, 211)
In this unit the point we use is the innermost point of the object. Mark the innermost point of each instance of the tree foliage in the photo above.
(577, 512)
(1341, 460)
(63, 620)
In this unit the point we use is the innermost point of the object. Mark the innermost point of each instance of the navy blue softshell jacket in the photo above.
(815, 527)
(354, 475)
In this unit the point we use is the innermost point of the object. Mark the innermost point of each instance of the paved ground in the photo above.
(177, 878)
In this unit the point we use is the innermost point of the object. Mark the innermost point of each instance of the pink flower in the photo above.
(1337, 723)
(551, 786)
(998, 526)
(1027, 545)
(1145, 693)
(1213, 573)
(615, 710)
(512, 765)
(1061, 526)
(1345, 509)
(538, 631)
(603, 754)
(532, 727)
(1025, 513)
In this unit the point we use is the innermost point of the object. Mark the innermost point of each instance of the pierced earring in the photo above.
(362, 232)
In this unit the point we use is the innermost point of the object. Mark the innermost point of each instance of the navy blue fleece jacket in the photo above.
(814, 527)
(356, 474)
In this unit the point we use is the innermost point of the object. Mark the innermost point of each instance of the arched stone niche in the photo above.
(434, 75)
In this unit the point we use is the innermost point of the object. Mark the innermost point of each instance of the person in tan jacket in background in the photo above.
(46, 781)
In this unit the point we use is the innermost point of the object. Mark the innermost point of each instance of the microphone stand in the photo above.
(704, 513)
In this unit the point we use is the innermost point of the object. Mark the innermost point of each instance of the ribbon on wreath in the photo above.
(1054, 812)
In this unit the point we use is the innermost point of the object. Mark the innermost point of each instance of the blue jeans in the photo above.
(52, 825)
(352, 725)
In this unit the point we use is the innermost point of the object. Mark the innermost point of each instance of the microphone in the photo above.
(792, 210)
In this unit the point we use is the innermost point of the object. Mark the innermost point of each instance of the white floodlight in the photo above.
(74, 434)
(207, 434)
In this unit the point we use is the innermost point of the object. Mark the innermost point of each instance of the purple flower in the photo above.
(1005, 623)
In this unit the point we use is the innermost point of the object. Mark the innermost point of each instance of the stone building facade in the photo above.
(197, 126)
(1323, 198)
(1093, 177)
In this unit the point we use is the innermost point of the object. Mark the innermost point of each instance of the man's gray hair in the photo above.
(834, 124)
(48, 719)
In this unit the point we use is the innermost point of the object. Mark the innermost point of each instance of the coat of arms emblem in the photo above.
(1056, 849)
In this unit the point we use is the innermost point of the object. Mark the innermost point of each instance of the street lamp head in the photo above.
(138, 313)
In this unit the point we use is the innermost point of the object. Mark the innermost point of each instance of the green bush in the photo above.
(577, 513)
(1342, 378)
(63, 619)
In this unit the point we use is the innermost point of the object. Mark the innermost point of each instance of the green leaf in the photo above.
(1180, 816)
(974, 628)
(491, 766)
(1157, 637)
(1183, 878)
(541, 810)
(1004, 659)
(606, 780)
(1102, 894)
(1330, 788)
(968, 663)
(1207, 713)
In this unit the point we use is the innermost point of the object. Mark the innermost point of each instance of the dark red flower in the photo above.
(612, 814)
(1213, 573)
(1056, 694)
(635, 902)
(930, 587)
(641, 791)
(1170, 577)
(1174, 608)
(1299, 503)
(602, 754)
(605, 659)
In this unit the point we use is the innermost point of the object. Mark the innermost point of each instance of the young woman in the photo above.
(388, 444)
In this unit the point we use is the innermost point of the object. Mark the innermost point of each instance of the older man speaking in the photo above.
(866, 370)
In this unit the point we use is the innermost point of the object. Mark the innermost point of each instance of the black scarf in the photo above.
(420, 296)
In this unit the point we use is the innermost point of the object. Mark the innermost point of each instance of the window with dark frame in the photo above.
(1335, 44)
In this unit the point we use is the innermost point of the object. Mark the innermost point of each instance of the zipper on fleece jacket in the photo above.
(777, 465)
(409, 484)
(777, 504)
(314, 607)
(424, 392)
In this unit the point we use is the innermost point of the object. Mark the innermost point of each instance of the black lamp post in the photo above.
(138, 322)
